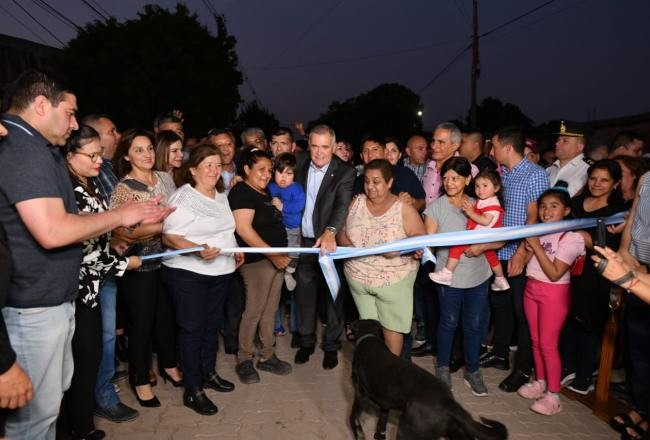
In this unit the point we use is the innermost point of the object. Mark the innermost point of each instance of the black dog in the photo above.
(429, 410)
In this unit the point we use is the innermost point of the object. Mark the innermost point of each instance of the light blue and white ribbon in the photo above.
(407, 245)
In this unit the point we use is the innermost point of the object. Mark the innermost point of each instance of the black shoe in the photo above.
(119, 375)
(295, 340)
(218, 383)
(150, 403)
(166, 377)
(456, 364)
(118, 413)
(247, 372)
(582, 385)
(494, 361)
(425, 349)
(275, 366)
(515, 380)
(197, 400)
(330, 360)
(483, 352)
(302, 355)
(96, 434)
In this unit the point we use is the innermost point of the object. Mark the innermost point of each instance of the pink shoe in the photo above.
(547, 405)
(442, 276)
(533, 390)
(500, 284)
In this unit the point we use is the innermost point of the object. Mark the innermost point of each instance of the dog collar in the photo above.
(366, 336)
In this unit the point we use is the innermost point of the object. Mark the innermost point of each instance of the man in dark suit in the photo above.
(327, 182)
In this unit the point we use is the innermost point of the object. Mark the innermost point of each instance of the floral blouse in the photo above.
(99, 260)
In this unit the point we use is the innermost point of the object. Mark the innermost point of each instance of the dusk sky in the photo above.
(575, 59)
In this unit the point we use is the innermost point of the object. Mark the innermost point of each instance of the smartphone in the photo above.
(601, 233)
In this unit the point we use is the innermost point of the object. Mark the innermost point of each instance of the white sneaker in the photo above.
(290, 281)
(443, 276)
(500, 284)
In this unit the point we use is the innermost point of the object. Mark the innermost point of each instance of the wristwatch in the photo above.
(332, 229)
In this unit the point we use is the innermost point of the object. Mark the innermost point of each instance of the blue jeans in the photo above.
(42, 340)
(105, 394)
(473, 302)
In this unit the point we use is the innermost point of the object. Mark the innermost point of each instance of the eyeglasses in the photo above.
(94, 157)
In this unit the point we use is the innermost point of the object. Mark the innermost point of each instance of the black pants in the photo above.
(508, 316)
(199, 302)
(310, 286)
(579, 348)
(637, 319)
(429, 293)
(149, 315)
(233, 309)
(86, 353)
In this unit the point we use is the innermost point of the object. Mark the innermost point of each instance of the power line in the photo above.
(94, 9)
(38, 22)
(56, 14)
(307, 30)
(444, 69)
(99, 6)
(461, 11)
(517, 18)
(23, 24)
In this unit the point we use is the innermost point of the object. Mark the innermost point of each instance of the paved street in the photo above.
(314, 404)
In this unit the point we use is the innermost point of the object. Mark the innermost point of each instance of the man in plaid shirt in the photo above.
(523, 183)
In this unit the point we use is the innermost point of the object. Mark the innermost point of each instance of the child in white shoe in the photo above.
(547, 297)
(289, 198)
(486, 212)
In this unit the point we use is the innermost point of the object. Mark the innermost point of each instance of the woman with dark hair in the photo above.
(394, 150)
(199, 282)
(84, 156)
(258, 224)
(632, 169)
(169, 155)
(580, 341)
(469, 288)
(148, 305)
(382, 285)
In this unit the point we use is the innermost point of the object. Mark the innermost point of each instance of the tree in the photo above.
(254, 115)
(160, 61)
(492, 114)
(386, 110)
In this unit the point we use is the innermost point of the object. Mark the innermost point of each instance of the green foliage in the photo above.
(160, 61)
(386, 110)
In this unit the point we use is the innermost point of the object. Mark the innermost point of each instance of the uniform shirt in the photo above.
(573, 172)
(523, 184)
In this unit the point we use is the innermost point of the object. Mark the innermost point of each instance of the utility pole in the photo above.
(475, 62)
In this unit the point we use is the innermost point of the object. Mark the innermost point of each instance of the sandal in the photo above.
(620, 426)
(349, 334)
(635, 432)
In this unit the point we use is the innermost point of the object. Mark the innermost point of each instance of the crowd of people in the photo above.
(83, 208)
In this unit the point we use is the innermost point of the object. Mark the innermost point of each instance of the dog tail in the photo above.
(467, 427)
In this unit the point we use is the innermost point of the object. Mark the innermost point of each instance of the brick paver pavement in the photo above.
(312, 403)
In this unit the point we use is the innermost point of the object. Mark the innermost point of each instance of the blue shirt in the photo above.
(293, 202)
(523, 184)
(315, 177)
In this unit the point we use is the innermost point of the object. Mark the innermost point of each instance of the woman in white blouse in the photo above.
(200, 281)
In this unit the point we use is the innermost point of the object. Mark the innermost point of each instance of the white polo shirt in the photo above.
(573, 172)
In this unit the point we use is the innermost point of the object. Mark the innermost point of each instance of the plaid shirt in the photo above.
(523, 184)
(106, 180)
(419, 170)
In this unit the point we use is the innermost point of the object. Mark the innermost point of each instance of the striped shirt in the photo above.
(640, 247)
(106, 180)
(419, 170)
(523, 184)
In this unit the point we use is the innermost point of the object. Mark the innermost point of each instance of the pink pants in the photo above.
(546, 306)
